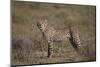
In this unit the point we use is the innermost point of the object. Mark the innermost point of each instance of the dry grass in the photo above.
(28, 45)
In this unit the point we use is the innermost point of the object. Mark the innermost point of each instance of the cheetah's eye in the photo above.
(38, 25)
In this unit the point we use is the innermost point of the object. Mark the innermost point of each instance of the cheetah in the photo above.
(52, 35)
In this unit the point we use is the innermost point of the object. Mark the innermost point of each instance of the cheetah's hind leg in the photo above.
(75, 39)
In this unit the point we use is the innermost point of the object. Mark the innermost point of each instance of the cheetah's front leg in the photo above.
(50, 49)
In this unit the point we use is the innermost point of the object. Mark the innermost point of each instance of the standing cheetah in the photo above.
(52, 35)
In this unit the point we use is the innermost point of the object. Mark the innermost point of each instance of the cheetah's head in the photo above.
(42, 24)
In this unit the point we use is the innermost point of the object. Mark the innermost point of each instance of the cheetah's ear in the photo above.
(45, 20)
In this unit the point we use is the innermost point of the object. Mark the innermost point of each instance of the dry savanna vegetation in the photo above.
(28, 44)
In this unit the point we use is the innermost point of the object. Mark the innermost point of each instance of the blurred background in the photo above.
(28, 45)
